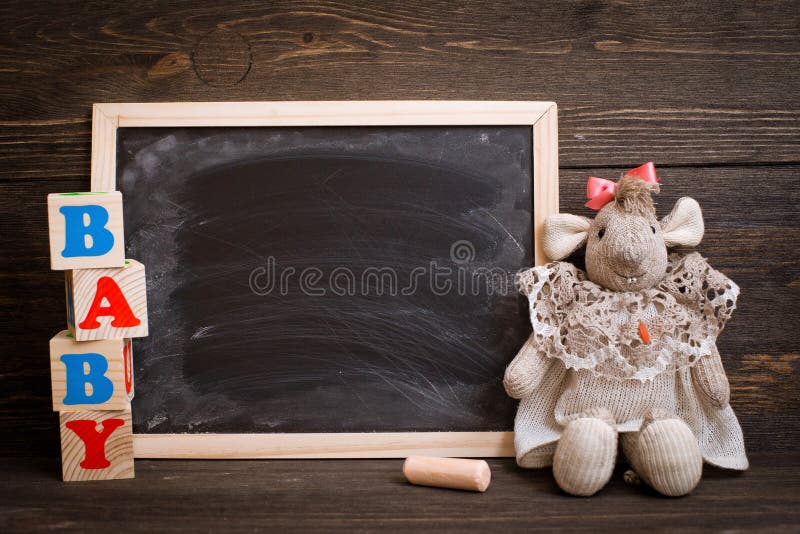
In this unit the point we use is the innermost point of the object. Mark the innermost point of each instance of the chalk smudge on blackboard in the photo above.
(206, 206)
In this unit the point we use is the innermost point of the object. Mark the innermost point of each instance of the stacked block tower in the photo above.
(91, 363)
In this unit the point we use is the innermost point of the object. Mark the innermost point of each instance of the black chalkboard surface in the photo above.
(327, 279)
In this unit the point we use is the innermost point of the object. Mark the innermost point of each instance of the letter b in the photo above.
(86, 230)
(90, 375)
(77, 379)
(83, 221)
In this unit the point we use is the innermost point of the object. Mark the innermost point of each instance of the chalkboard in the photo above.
(327, 279)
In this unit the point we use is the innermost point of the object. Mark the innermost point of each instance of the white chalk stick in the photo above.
(456, 473)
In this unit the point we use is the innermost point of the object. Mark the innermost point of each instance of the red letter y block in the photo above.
(94, 441)
(96, 445)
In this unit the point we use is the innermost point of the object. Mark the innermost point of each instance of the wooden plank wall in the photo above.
(709, 92)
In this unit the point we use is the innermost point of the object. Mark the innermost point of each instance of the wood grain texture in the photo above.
(104, 128)
(117, 353)
(111, 202)
(541, 116)
(373, 496)
(84, 286)
(635, 81)
(117, 451)
(708, 91)
(545, 173)
(322, 445)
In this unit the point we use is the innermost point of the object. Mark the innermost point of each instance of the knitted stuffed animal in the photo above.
(626, 349)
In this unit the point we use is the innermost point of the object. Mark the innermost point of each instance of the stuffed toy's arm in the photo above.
(710, 378)
(716, 294)
(526, 371)
(547, 287)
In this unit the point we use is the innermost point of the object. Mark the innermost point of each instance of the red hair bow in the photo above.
(600, 191)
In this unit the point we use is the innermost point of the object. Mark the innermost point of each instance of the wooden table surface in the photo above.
(372, 495)
(709, 91)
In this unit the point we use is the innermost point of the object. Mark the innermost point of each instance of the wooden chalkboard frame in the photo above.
(540, 116)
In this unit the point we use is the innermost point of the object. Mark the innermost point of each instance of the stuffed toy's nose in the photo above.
(633, 253)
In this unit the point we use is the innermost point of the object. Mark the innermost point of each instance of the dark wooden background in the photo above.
(709, 91)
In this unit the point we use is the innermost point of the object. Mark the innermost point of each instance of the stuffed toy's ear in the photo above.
(684, 225)
(563, 234)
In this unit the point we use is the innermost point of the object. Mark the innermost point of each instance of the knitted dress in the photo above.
(590, 341)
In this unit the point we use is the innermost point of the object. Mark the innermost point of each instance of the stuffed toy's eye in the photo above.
(653, 228)
(601, 233)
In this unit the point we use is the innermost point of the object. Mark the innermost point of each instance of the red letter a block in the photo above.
(107, 303)
(96, 445)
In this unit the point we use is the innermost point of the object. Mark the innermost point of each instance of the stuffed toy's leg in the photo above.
(664, 453)
(586, 452)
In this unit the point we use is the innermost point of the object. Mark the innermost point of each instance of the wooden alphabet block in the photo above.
(91, 375)
(107, 303)
(86, 230)
(96, 445)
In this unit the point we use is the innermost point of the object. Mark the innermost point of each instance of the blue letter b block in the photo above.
(78, 377)
(82, 221)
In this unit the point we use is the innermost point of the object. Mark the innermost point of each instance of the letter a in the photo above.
(118, 307)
